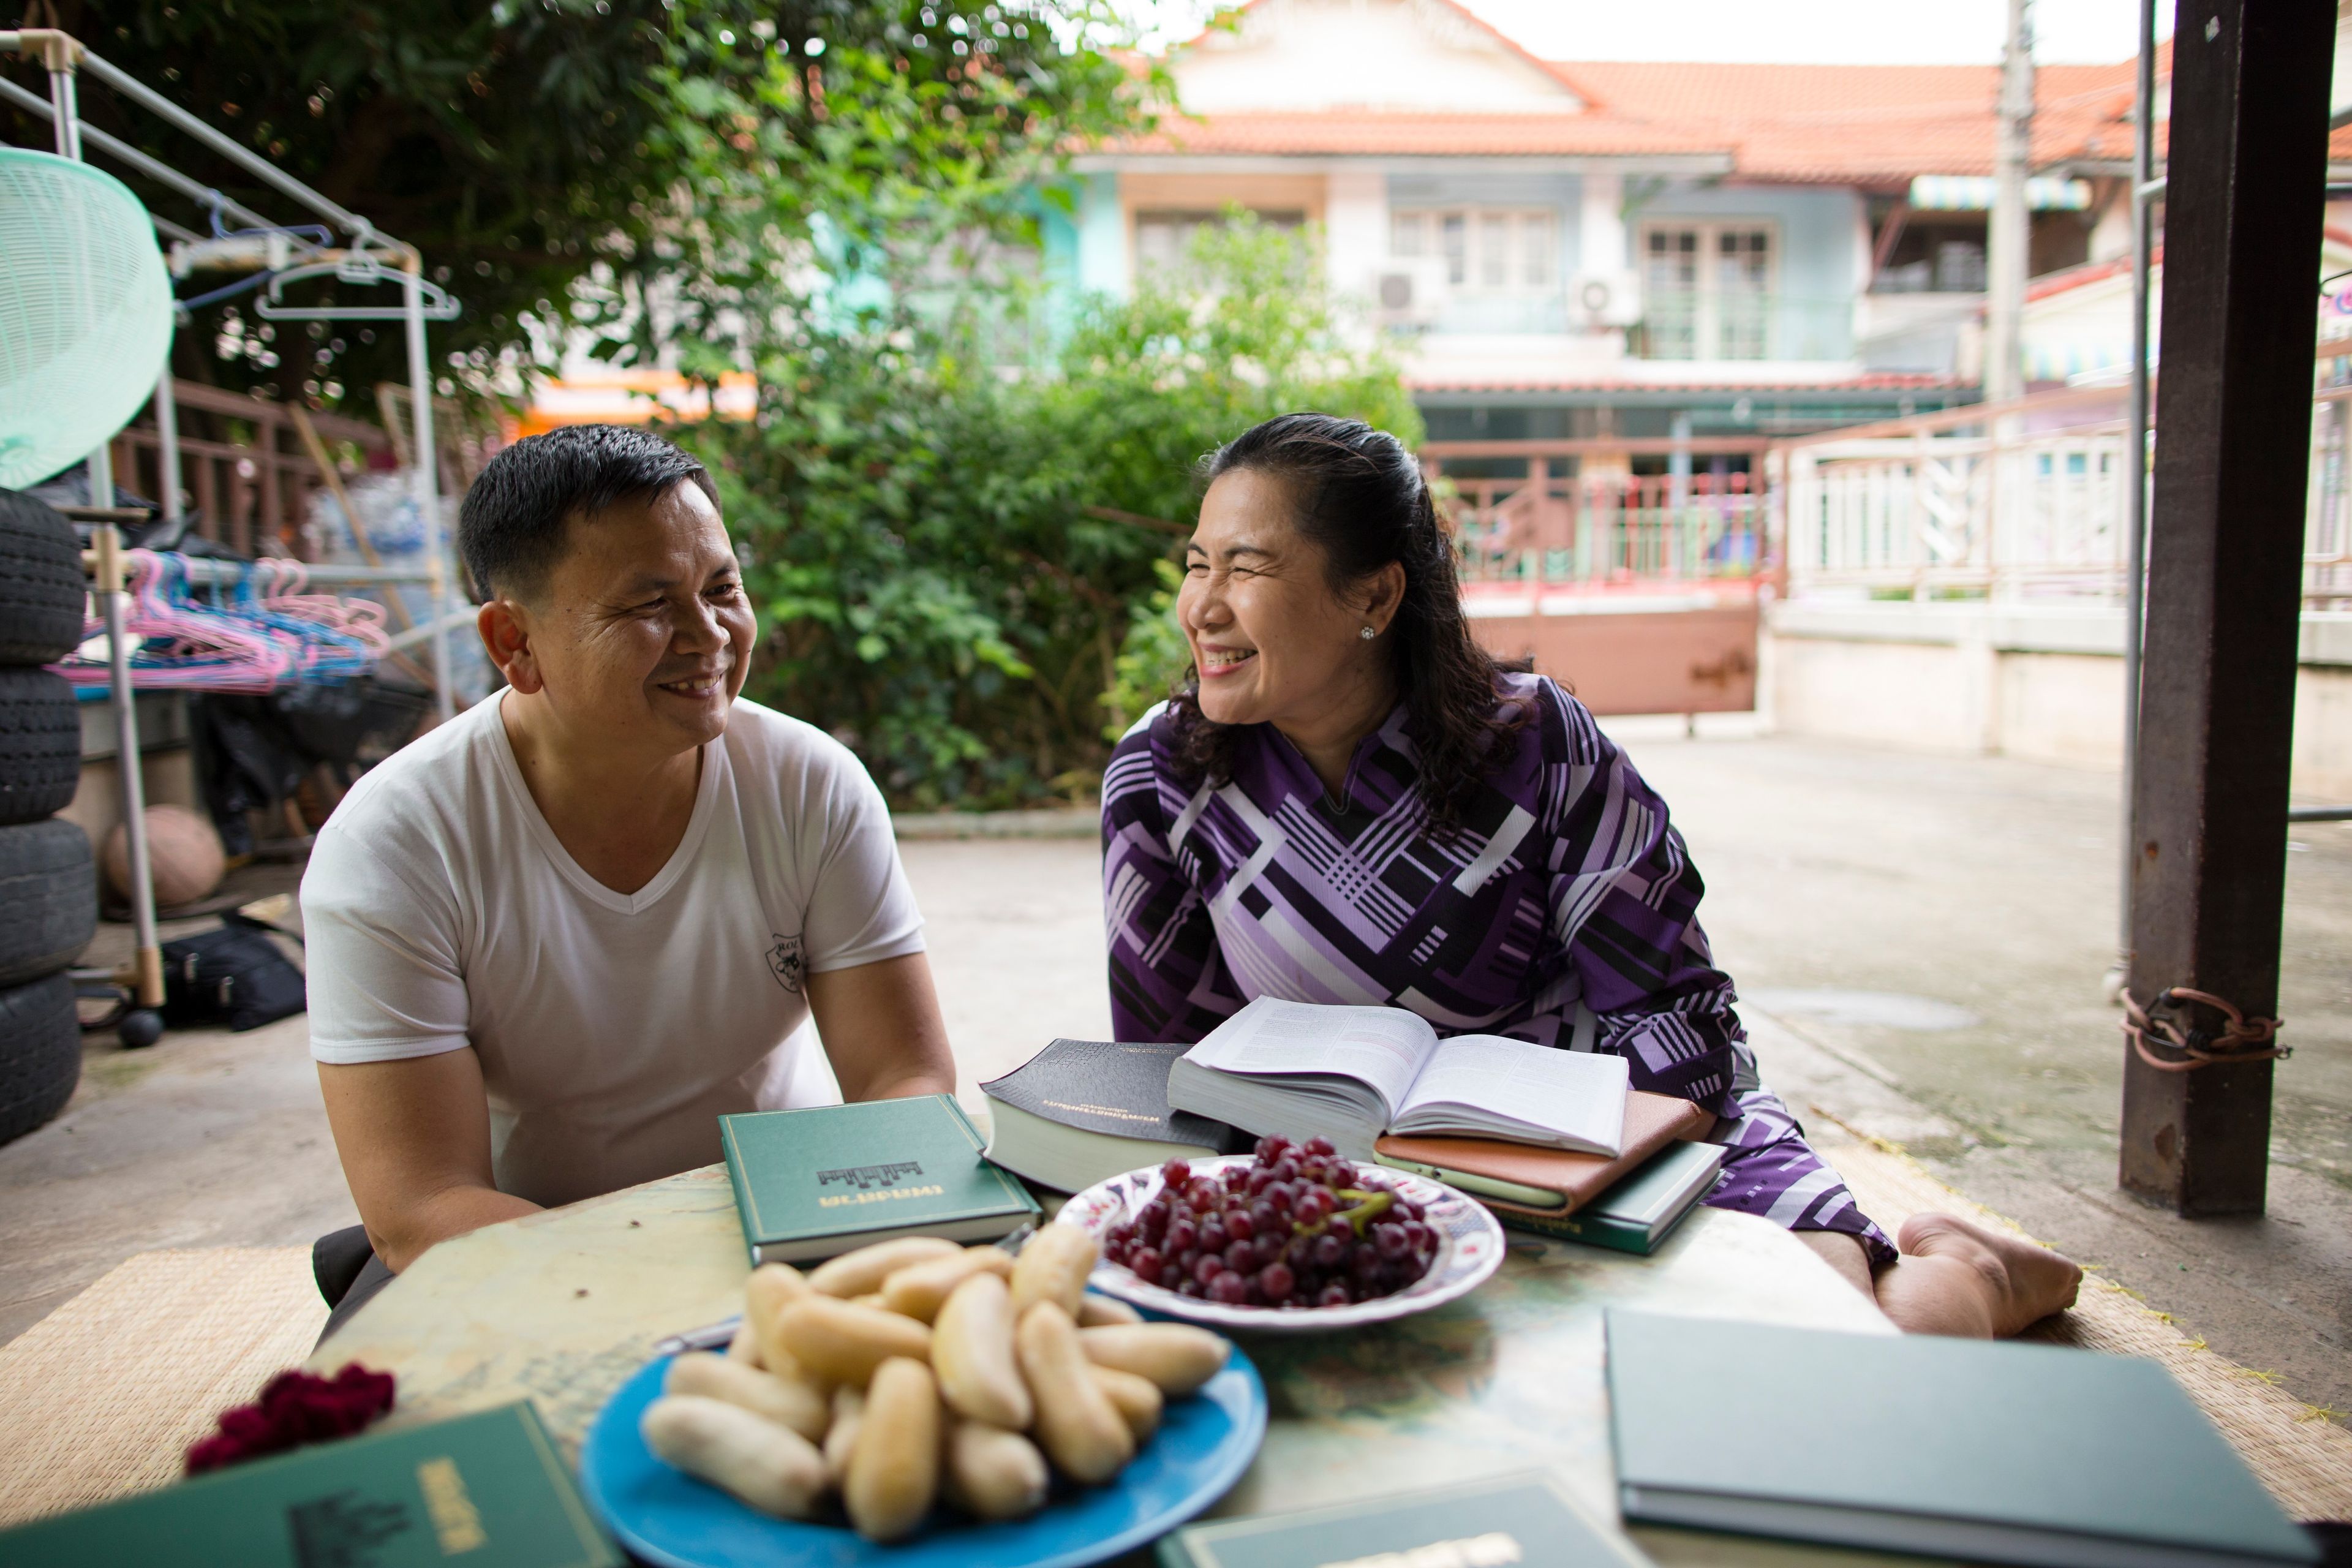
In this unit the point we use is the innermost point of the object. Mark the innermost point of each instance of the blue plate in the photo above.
(666, 1517)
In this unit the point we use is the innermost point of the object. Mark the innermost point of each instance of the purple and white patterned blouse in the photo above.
(1564, 912)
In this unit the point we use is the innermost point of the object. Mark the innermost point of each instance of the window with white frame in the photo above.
(1487, 250)
(1706, 290)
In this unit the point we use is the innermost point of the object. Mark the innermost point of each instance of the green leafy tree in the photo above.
(639, 147)
(963, 575)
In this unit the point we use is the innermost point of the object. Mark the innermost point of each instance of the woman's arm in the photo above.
(1168, 982)
(1624, 916)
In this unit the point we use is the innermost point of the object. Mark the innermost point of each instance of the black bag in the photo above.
(234, 976)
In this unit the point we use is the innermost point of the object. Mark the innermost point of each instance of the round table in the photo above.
(560, 1307)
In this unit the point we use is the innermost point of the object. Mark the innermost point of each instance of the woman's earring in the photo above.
(1367, 634)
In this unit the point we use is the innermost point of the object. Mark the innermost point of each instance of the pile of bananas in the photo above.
(918, 1370)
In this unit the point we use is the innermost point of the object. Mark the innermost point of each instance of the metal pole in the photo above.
(128, 761)
(2136, 479)
(139, 92)
(428, 499)
(108, 540)
(2007, 237)
(167, 439)
(203, 195)
(64, 115)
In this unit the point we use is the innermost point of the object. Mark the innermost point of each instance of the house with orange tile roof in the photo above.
(1591, 249)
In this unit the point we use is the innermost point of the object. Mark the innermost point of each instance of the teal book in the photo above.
(488, 1491)
(1984, 1450)
(1506, 1521)
(817, 1183)
(1640, 1212)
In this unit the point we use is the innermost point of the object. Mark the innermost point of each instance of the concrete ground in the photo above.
(1920, 941)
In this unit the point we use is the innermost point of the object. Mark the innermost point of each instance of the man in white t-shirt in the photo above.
(551, 943)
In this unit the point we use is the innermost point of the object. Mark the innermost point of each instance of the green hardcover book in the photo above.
(1507, 1522)
(817, 1183)
(1640, 1212)
(487, 1489)
(1986, 1451)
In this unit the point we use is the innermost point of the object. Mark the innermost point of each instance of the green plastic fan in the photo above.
(85, 312)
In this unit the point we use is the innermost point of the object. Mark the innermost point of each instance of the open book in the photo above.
(1298, 1068)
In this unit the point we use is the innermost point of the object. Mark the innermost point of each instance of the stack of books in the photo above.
(1082, 1111)
(1352, 1074)
(1552, 1142)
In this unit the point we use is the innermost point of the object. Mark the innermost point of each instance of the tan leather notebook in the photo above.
(1651, 1122)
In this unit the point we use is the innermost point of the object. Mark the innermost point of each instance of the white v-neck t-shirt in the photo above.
(613, 1029)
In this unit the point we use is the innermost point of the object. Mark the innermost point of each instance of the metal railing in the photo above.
(2029, 503)
(1543, 527)
(2024, 500)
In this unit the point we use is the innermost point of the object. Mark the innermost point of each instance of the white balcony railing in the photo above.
(2023, 504)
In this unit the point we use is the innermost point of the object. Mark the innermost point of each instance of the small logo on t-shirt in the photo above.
(785, 962)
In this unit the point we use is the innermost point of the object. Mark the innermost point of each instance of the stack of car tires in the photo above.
(48, 887)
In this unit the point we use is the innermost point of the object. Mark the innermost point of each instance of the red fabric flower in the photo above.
(296, 1408)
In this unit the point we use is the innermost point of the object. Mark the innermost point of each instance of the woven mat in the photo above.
(103, 1397)
(2304, 1458)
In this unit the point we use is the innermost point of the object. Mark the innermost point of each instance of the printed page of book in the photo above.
(1381, 1047)
(1576, 1097)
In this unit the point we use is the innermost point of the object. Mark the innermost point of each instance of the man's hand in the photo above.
(415, 1137)
(881, 1028)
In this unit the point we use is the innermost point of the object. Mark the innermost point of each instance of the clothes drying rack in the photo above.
(359, 262)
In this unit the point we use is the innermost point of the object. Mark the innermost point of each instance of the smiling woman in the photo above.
(1319, 593)
(1349, 802)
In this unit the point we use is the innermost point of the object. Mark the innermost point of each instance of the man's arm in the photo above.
(415, 1137)
(882, 1031)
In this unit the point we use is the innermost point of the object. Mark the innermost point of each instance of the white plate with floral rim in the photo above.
(1469, 1248)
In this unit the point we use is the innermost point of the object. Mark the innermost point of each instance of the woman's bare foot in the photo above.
(2025, 1281)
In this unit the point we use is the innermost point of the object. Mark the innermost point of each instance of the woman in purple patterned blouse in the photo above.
(1351, 803)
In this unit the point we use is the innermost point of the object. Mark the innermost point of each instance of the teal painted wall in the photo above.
(1083, 249)
(1101, 237)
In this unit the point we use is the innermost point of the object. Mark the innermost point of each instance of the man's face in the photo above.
(642, 635)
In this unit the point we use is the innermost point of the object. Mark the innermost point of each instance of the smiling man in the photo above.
(551, 941)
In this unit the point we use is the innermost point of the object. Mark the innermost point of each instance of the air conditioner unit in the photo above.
(1604, 298)
(1409, 291)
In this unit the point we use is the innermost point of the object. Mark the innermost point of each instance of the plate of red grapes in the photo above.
(1294, 1237)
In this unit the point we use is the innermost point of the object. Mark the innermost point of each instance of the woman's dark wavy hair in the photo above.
(1359, 496)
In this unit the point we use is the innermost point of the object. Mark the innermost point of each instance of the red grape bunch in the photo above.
(1299, 1226)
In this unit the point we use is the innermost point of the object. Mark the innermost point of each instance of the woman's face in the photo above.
(1272, 641)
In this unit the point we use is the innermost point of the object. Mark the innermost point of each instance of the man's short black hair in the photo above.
(511, 525)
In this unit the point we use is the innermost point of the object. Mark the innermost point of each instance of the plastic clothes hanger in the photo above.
(358, 268)
(181, 644)
(342, 637)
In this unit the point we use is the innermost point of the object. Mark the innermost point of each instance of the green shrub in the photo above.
(964, 572)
